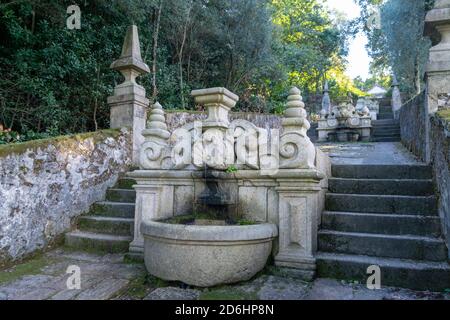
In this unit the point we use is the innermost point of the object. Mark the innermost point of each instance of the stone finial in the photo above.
(130, 64)
(157, 126)
(326, 102)
(295, 114)
(296, 149)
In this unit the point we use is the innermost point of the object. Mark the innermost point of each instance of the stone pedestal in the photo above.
(130, 111)
(437, 75)
(299, 194)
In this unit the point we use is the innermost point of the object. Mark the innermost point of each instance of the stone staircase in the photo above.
(383, 215)
(386, 129)
(109, 225)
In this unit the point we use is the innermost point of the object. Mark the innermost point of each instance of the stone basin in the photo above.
(206, 256)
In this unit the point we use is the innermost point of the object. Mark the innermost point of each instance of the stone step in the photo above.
(381, 223)
(386, 139)
(125, 183)
(385, 122)
(121, 195)
(380, 245)
(410, 205)
(113, 209)
(413, 187)
(389, 131)
(386, 135)
(98, 242)
(106, 225)
(382, 171)
(416, 275)
(386, 128)
(385, 109)
(384, 116)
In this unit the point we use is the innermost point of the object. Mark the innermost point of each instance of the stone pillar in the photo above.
(396, 98)
(129, 104)
(299, 189)
(437, 75)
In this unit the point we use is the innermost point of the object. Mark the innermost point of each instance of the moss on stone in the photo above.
(30, 267)
(19, 148)
(444, 114)
(138, 288)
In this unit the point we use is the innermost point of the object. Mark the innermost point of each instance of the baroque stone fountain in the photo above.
(345, 122)
(273, 181)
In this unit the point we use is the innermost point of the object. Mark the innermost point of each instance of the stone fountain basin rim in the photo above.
(241, 174)
(263, 231)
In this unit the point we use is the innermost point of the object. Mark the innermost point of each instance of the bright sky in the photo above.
(358, 58)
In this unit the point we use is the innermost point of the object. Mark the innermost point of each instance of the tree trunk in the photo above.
(180, 56)
(417, 81)
(155, 52)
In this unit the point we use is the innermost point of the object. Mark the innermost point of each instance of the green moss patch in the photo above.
(30, 267)
(19, 148)
(444, 114)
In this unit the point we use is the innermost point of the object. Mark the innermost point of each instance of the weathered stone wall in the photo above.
(440, 157)
(413, 126)
(46, 183)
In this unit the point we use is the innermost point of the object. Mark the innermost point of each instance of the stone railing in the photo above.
(44, 184)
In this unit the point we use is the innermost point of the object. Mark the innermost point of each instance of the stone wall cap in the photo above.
(437, 16)
(217, 90)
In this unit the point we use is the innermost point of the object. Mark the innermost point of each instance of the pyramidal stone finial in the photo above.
(157, 126)
(131, 54)
(295, 117)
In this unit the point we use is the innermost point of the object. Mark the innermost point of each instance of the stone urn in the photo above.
(206, 256)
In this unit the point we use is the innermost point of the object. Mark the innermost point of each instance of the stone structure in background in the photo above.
(326, 101)
(396, 98)
(372, 105)
(377, 92)
(278, 180)
(437, 24)
(345, 123)
(129, 104)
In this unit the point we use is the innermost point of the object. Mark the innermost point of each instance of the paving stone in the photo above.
(104, 290)
(328, 289)
(277, 288)
(173, 293)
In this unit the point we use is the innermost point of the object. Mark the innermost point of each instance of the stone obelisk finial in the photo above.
(129, 104)
(326, 101)
(130, 64)
(295, 116)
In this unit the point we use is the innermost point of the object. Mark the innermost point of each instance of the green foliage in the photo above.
(56, 81)
(399, 46)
